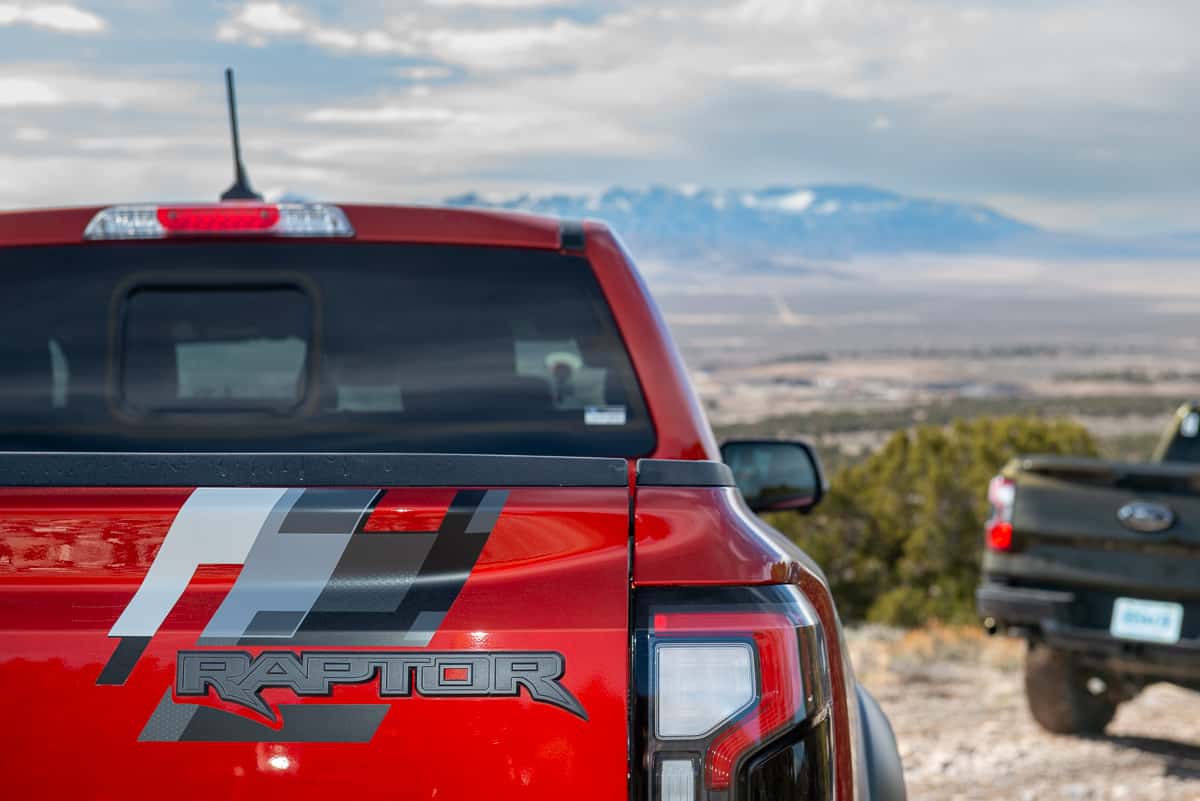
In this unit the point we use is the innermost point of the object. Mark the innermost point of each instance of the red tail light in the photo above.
(1000, 535)
(1002, 494)
(780, 699)
(735, 710)
(217, 219)
(780, 703)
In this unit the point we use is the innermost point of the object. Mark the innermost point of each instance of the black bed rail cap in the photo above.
(571, 235)
(683, 473)
(52, 469)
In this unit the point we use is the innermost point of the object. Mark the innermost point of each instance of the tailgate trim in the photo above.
(683, 473)
(68, 469)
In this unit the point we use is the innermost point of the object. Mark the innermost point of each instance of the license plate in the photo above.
(1149, 621)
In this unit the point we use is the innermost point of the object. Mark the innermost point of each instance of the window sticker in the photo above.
(604, 415)
(1190, 425)
(369, 398)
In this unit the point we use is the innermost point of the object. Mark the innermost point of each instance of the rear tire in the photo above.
(1058, 696)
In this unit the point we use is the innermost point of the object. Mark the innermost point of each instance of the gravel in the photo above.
(956, 701)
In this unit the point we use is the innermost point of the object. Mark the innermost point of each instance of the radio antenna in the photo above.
(241, 189)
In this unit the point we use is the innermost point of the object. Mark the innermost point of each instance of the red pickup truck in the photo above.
(308, 501)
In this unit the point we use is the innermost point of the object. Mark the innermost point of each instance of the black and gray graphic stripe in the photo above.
(405, 602)
(302, 723)
(311, 574)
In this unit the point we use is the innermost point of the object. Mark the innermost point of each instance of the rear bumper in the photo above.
(1049, 615)
(1021, 606)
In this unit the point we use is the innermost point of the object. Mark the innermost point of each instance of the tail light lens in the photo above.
(677, 780)
(219, 219)
(700, 686)
(1000, 535)
(722, 674)
(1002, 493)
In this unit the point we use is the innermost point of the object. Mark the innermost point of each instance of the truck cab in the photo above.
(301, 500)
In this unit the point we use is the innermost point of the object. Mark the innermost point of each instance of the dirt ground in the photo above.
(955, 699)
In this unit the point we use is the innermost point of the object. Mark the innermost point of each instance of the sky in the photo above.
(1075, 114)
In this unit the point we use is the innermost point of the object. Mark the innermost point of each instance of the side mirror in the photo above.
(775, 475)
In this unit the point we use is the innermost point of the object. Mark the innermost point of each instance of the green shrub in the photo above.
(899, 535)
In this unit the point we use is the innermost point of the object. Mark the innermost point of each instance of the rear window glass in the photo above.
(196, 349)
(312, 347)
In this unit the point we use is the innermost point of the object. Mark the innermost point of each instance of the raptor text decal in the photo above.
(239, 677)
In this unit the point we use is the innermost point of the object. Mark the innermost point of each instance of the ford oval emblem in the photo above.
(1146, 517)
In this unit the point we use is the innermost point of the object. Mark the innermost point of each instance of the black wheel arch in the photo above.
(881, 757)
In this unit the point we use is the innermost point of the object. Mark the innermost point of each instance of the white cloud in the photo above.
(514, 48)
(398, 147)
(508, 4)
(64, 18)
(257, 24)
(133, 145)
(965, 52)
(380, 115)
(52, 16)
(453, 39)
(424, 73)
(270, 18)
(40, 86)
(796, 202)
(333, 38)
(30, 135)
(17, 92)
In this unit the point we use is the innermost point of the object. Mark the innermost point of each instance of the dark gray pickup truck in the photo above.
(1097, 565)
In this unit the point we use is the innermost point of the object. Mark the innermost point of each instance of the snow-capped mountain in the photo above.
(807, 221)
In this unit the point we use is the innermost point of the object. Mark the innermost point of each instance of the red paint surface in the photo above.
(704, 536)
(554, 576)
(45, 226)
(679, 422)
(436, 225)
(410, 509)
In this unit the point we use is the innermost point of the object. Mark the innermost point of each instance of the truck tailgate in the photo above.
(313, 626)
(1068, 520)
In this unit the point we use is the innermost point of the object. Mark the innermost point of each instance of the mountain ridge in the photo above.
(817, 221)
